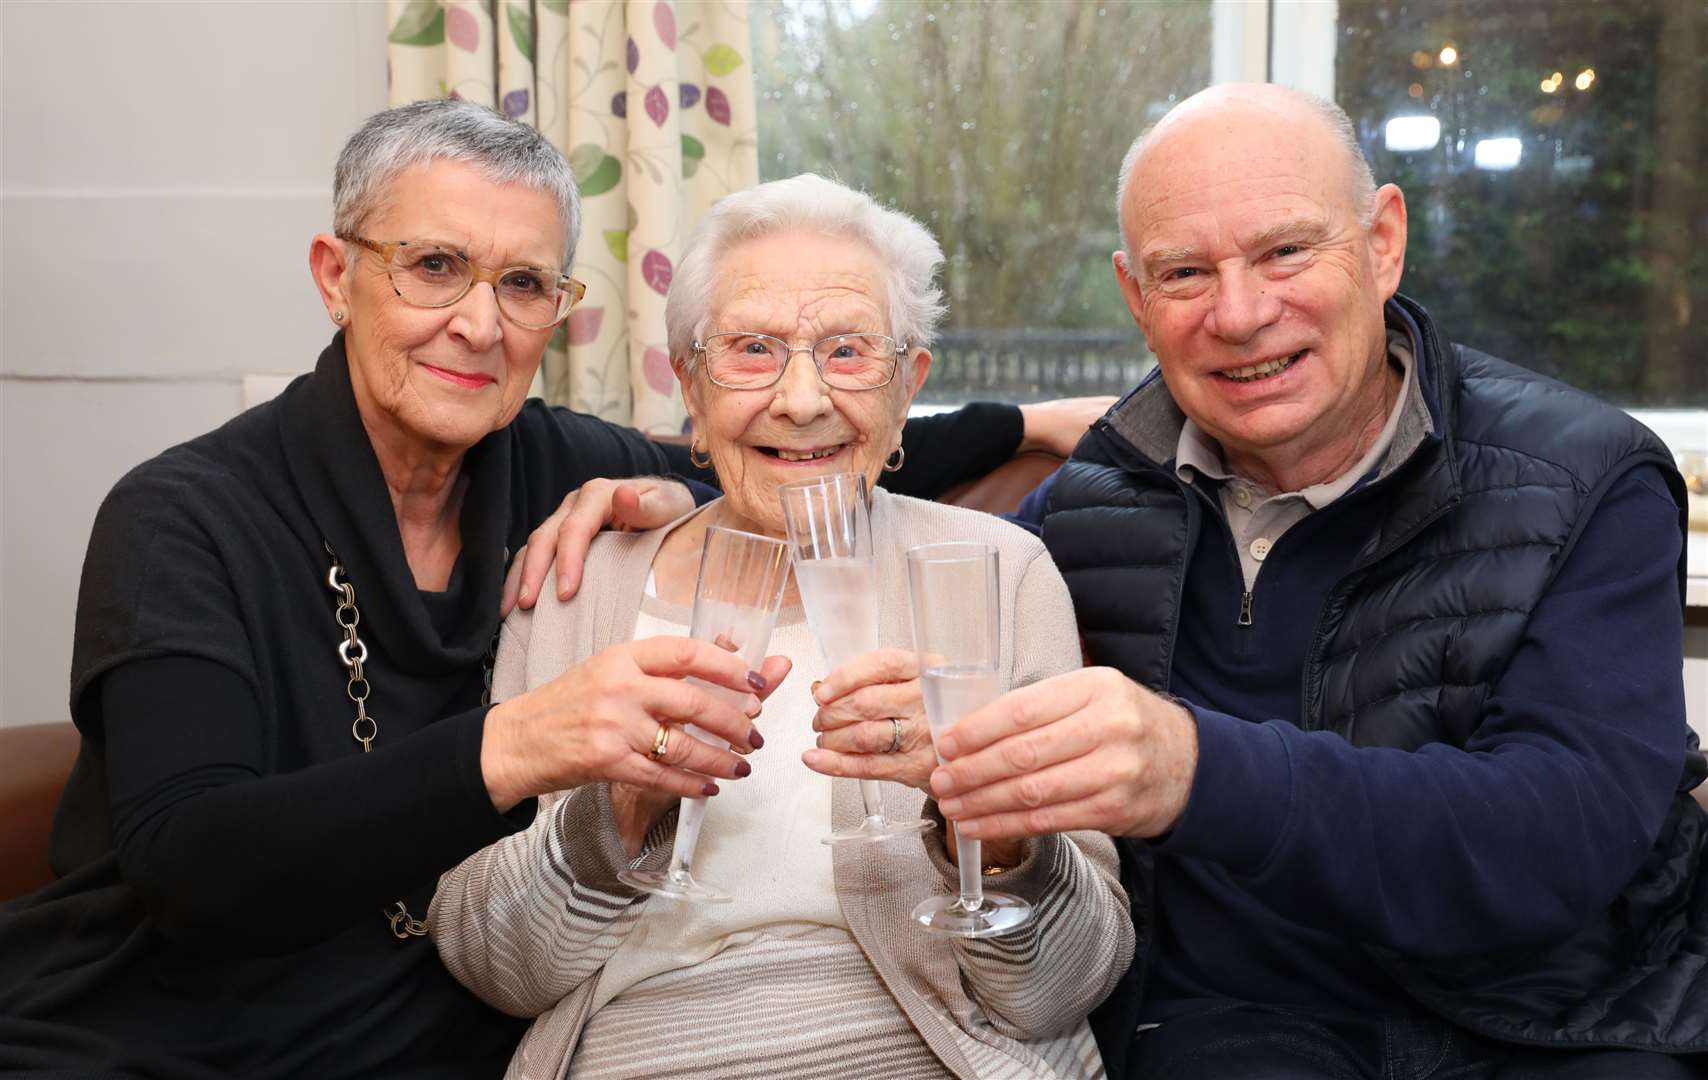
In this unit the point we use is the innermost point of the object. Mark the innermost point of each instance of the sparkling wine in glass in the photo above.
(956, 628)
(736, 598)
(830, 536)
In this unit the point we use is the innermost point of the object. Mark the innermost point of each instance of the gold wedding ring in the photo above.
(660, 743)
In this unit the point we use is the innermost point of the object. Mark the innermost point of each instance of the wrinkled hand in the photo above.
(644, 502)
(638, 809)
(1090, 749)
(1056, 426)
(856, 703)
(597, 721)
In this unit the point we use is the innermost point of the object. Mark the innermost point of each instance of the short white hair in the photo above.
(909, 255)
(1332, 115)
(503, 150)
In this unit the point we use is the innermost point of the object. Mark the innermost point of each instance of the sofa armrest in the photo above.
(35, 761)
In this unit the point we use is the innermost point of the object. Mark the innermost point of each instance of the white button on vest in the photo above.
(1242, 495)
(1260, 548)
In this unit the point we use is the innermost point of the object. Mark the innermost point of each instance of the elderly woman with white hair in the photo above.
(814, 968)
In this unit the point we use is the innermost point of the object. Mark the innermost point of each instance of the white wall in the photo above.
(162, 167)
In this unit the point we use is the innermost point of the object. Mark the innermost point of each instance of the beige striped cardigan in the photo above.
(528, 922)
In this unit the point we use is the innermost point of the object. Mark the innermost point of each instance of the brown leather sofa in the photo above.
(36, 759)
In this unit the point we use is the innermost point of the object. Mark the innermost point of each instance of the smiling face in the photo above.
(443, 378)
(1257, 286)
(801, 287)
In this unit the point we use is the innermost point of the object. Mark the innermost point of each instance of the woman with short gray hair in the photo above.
(278, 662)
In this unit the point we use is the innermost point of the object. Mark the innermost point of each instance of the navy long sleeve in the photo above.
(1519, 836)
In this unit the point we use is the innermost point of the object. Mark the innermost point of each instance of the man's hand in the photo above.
(1056, 426)
(644, 502)
(1090, 749)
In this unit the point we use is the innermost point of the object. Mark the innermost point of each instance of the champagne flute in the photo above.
(830, 536)
(736, 598)
(956, 631)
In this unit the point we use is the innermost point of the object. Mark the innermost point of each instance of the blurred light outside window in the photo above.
(1408, 134)
(1498, 154)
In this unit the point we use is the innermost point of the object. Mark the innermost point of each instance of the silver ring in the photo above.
(895, 741)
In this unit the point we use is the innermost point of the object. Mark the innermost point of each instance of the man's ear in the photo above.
(329, 264)
(1386, 239)
(1131, 291)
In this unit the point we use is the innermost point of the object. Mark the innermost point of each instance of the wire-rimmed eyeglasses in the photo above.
(743, 360)
(430, 275)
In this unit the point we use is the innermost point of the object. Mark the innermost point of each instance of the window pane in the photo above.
(999, 126)
(1550, 154)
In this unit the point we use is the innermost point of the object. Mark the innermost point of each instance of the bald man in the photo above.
(1390, 713)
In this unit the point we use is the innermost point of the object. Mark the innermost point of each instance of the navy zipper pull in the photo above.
(1244, 609)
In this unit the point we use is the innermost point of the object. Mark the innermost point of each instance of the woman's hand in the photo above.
(600, 719)
(1056, 427)
(859, 705)
(638, 809)
(562, 540)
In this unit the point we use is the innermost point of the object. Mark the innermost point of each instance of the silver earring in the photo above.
(893, 462)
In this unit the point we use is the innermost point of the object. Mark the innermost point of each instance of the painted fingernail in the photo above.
(742, 768)
(754, 739)
(950, 807)
(757, 681)
(709, 790)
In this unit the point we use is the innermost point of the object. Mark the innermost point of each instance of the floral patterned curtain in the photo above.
(652, 102)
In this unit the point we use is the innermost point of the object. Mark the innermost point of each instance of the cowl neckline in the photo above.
(337, 473)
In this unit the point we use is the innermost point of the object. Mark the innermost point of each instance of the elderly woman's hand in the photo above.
(863, 705)
(601, 720)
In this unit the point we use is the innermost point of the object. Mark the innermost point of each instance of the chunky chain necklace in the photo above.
(364, 729)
